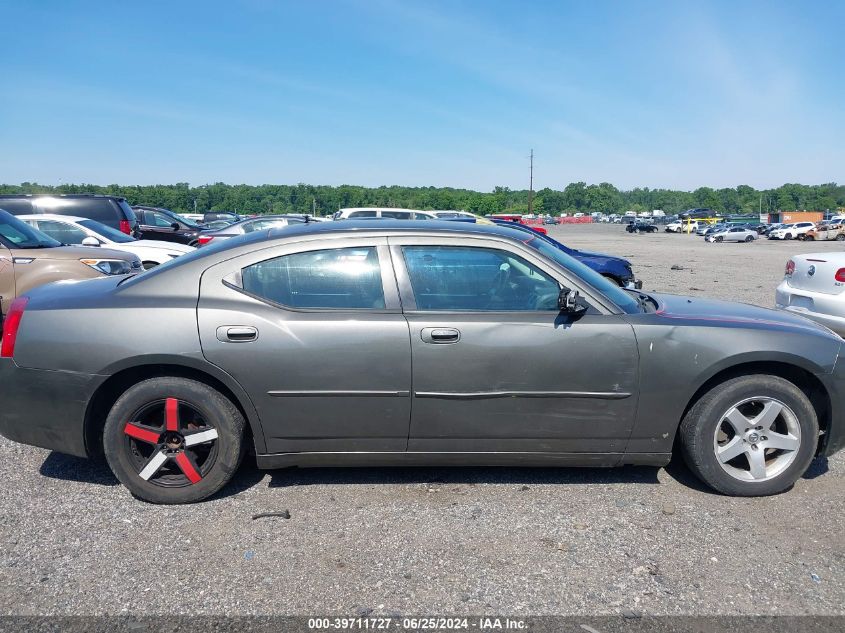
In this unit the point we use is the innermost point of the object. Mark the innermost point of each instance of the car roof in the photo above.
(52, 216)
(444, 227)
(59, 195)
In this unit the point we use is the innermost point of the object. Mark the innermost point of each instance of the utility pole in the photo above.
(531, 182)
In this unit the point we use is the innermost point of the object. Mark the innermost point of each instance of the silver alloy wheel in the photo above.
(757, 439)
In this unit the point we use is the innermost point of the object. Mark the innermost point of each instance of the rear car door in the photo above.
(497, 367)
(315, 334)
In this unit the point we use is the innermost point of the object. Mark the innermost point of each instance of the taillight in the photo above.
(790, 267)
(11, 325)
(840, 275)
(204, 239)
(125, 227)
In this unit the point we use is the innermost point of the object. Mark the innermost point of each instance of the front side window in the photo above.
(468, 278)
(338, 278)
(260, 225)
(62, 231)
(159, 219)
(363, 214)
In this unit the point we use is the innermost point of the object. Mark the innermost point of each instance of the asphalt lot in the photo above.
(441, 541)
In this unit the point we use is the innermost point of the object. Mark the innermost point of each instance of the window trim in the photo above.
(233, 272)
(409, 303)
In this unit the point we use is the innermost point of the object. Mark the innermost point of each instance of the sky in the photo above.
(673, 94)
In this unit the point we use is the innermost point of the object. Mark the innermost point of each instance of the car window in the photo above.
(106, 231)
(156, 218)
(363, 214)
(259, 225)
(100, 209)
(62, 231)
(339, 278)
(16, 207)
(423, 216)
(17, 234)
(469, 278)
(396, 215)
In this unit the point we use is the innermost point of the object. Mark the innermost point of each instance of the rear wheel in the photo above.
(749, 238)
(173, 440)
(750, 436)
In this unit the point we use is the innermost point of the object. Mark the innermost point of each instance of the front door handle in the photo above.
(236, 333)
(440, 335)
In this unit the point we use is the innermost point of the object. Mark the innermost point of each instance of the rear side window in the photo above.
(16, 207)
(100, 209)
(62, 232)
(396, 215)
(338, 278)
(363, 214)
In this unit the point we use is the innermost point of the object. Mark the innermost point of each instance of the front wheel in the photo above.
(173, 440)
(840, 237)
(750, 436)
(720, 238)
(788, 236)
(749, 238)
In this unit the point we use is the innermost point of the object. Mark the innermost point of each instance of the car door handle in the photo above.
(236, 333)
(440, 335)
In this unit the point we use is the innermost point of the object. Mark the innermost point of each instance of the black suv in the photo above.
(112, 211)
(163, 224)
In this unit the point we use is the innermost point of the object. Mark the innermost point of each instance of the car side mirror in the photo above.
(570, 302)
(90, 241)
(175, 226)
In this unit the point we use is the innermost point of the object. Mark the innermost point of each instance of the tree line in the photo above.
(575, 197)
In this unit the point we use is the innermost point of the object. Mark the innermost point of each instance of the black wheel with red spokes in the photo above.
(173, 440)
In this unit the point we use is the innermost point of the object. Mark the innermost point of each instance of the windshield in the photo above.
(106, 231)
(626, 302)
(17, 234)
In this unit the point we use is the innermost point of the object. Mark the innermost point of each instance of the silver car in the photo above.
(732, 234)
(250, 225)
(814, 286)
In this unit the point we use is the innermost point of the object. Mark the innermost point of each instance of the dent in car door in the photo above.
(322, 379)
(518, 381)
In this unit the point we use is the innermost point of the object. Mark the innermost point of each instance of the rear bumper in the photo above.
(45, 408)
(827, 309)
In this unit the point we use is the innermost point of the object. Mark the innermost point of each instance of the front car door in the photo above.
(314, 332)
(497, 367)
(158, 226)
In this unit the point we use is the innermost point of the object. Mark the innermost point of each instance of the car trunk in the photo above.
(817, 273)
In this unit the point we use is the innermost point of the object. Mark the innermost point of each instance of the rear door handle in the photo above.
(440, 335)
(236, 333)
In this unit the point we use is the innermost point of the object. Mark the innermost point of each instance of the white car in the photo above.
(72, 230)
(791, 231)
(814, 287)
(732, 234)
(355, 213)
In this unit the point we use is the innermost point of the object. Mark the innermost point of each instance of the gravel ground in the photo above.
(441, 541)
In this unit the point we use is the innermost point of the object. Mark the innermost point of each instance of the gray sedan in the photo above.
(404, 343)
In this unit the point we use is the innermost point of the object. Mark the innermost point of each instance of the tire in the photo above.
(809, 238)
(706, 429)
(749, 238)
(149, 265)
(719, 238)
(840, 237)
(788, 236)
(146, 437)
